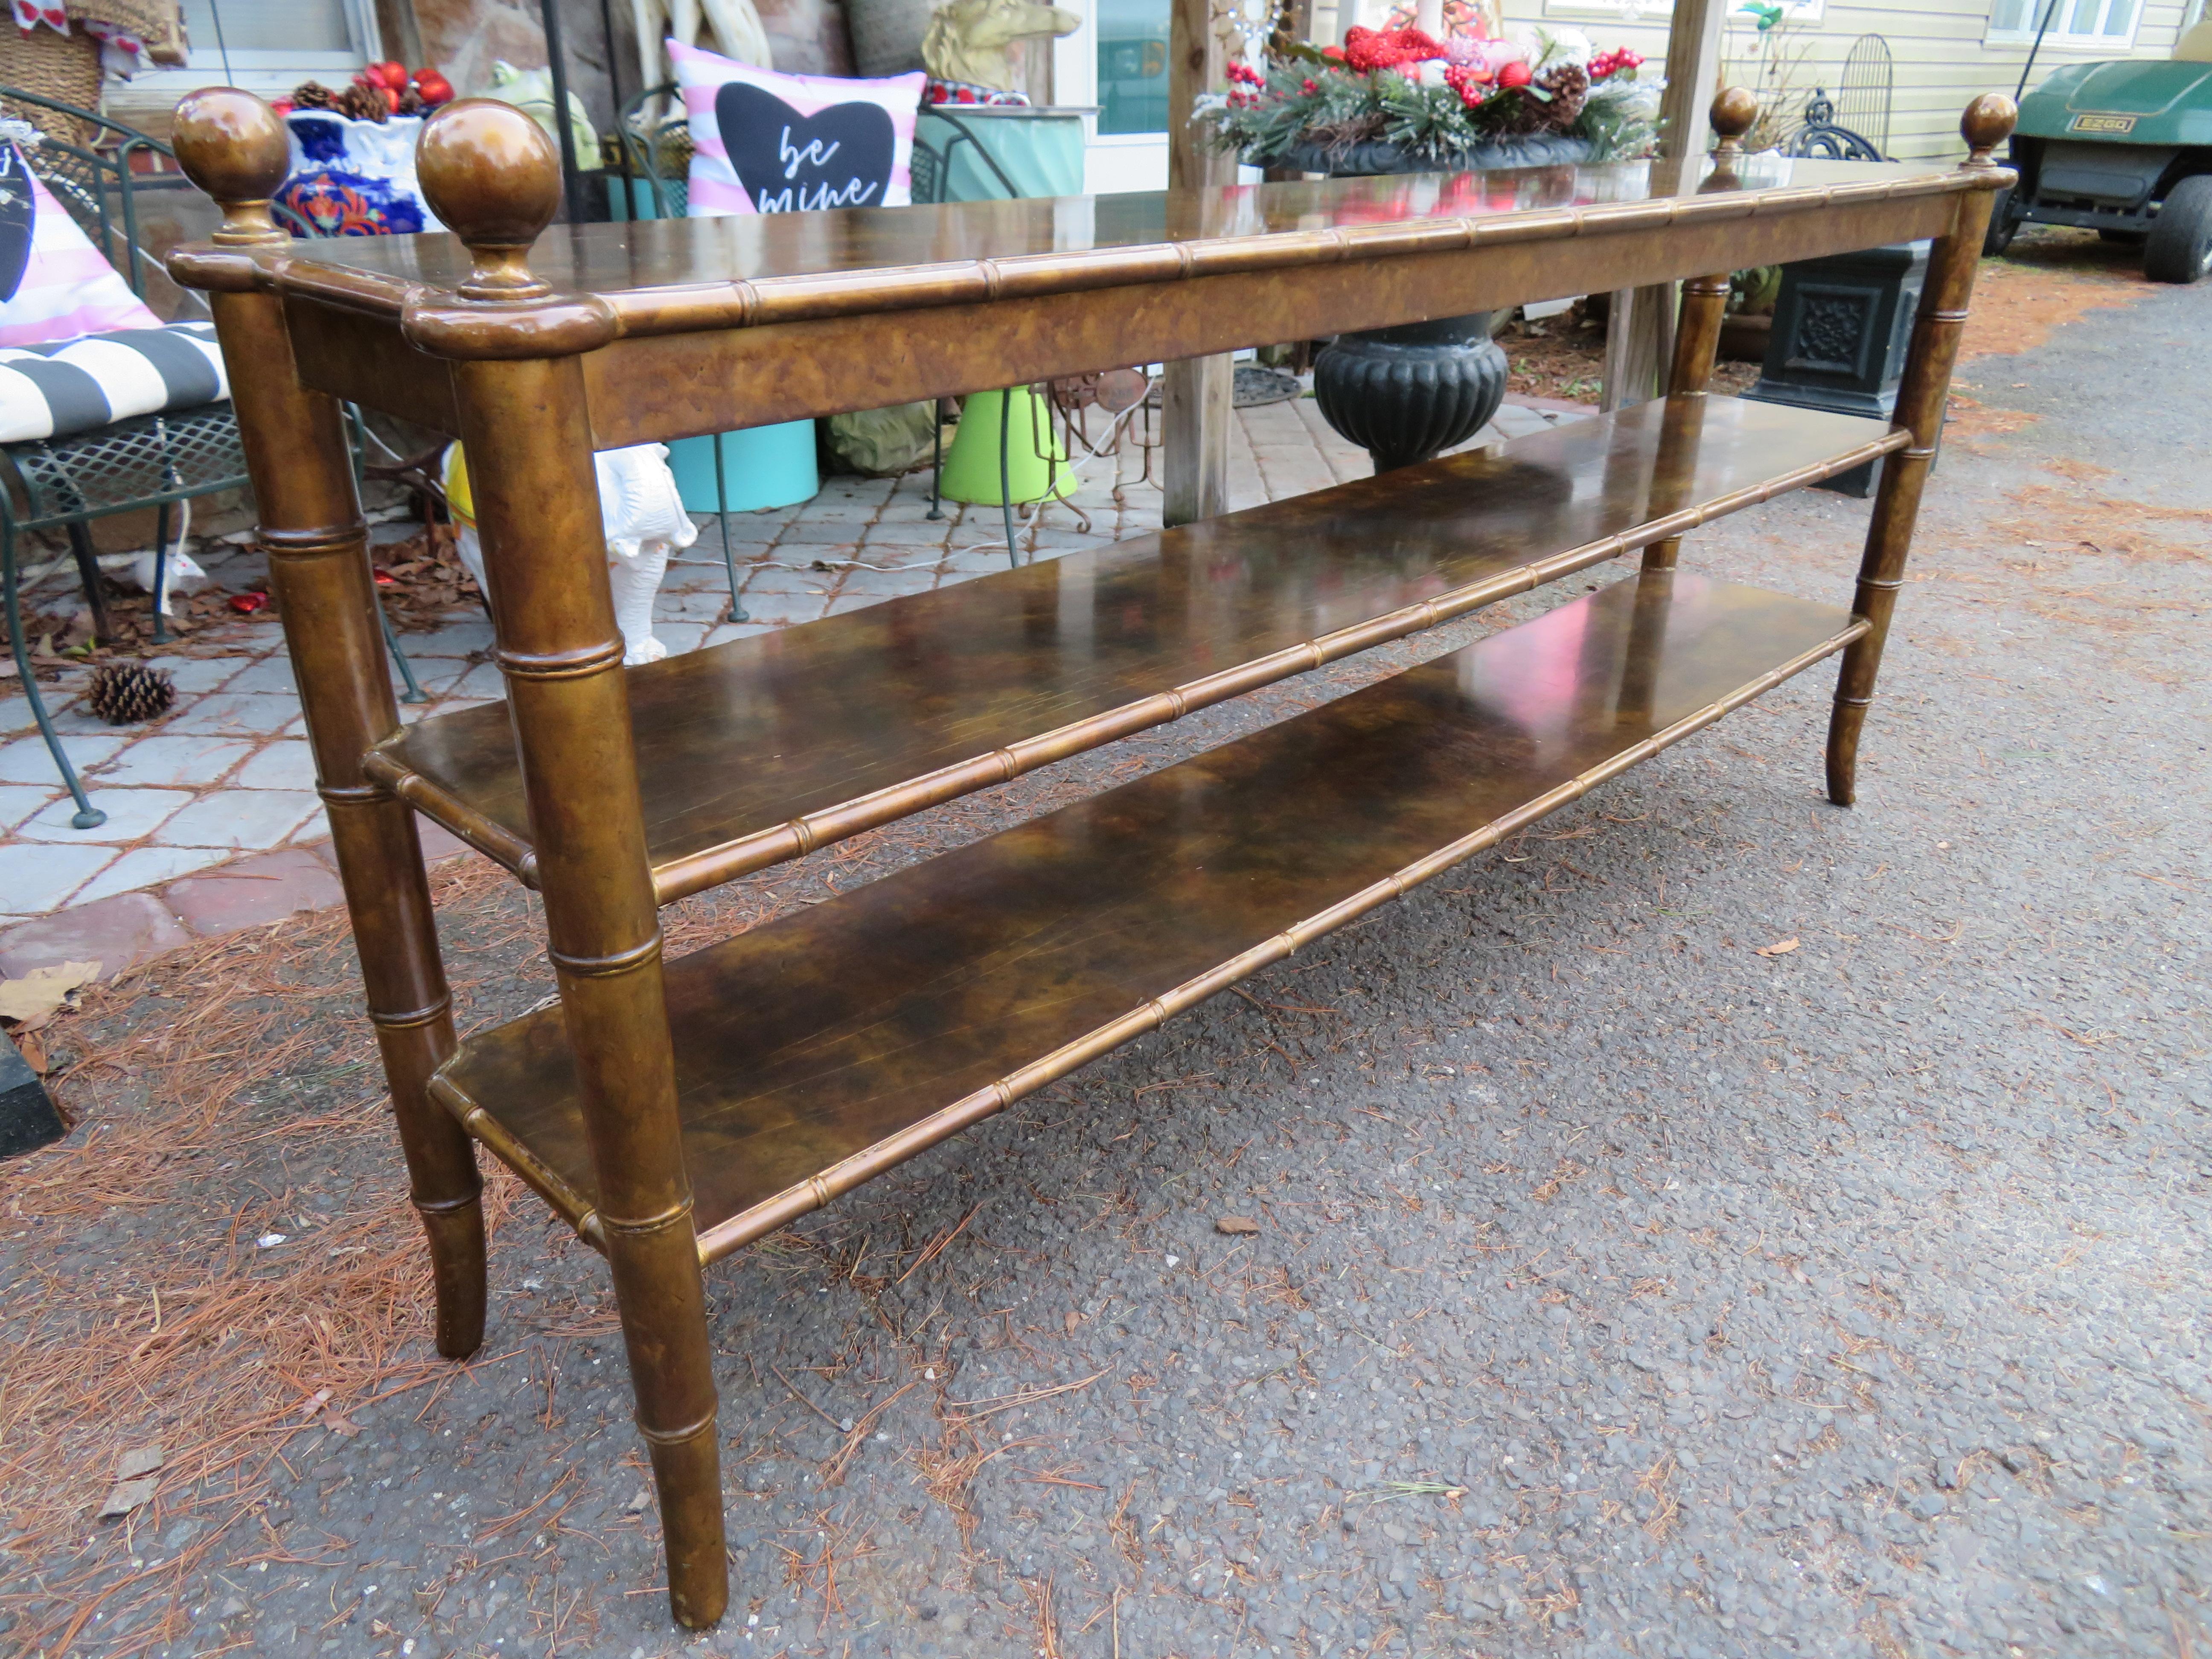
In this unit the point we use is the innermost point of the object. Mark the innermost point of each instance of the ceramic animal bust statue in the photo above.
(735, 24)
(531, 91)
(970, 41)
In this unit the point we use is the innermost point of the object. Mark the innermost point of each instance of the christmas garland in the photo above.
(1436, 99)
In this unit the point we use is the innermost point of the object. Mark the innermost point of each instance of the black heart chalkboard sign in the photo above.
(18, 212)
(840, 156)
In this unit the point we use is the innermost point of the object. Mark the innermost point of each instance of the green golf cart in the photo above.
(2125, 149)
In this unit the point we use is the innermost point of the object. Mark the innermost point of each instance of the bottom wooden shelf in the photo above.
(818, 1051)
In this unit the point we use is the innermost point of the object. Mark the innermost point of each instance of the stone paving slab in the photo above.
(247, 892)
(118, 932)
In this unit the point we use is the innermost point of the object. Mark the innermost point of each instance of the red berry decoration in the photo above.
(433, 87)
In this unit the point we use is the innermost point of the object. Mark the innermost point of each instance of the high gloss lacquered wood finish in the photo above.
(823, 1049)
(1922, 393)
(698, 325)
(813, 1052)
(1697, 342)
(232, 146)
(765, 748)
(684, 275)
(560, 651)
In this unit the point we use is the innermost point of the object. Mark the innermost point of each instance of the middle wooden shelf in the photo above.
(761, 749)
(816, 1049)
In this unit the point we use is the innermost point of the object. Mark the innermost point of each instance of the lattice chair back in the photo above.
(97, 184)
(1864, 96)
(656, 146)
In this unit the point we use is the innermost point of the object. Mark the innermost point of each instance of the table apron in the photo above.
(675, 385)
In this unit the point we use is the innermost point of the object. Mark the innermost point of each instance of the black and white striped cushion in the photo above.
(77, 385)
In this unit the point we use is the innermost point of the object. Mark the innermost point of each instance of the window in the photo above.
(2097, 25)
(1133, 65)
(267, 46)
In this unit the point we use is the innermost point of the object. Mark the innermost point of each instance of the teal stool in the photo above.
(763, 466)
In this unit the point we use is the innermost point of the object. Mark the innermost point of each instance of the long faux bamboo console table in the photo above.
(673, 1113)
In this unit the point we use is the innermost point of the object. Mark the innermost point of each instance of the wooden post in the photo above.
(1645, 333)
(1920, 399)
(492, 174)
(1196, 407)
(234, 147)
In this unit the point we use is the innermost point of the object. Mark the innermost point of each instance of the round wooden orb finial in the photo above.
(1987, 123)
(234, 147)
(492, 174)
(1735, 112)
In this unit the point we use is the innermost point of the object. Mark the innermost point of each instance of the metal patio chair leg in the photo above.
(88, 816)
(415, 692)
(722, 517)
(1006, 482)
(356, 452)
(87, 574)
(161, 573)
(936, 460)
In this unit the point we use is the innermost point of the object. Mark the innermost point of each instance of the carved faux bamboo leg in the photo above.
(234, 148)
(1705, 299)
(491, 173)
(1696, 338)
(1920, 399)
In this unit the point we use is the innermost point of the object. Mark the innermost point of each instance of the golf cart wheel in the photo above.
(2179, 247)
(2003, 226)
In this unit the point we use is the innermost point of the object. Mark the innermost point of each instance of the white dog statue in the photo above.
(644, 521)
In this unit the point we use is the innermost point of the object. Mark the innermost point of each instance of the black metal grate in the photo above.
(130, 463)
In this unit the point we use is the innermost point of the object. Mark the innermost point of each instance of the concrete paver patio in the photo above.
(209, 794)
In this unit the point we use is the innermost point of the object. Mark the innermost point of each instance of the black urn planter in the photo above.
(1407, 394)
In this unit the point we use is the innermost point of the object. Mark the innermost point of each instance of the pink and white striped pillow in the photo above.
(796, 142)
(67, 287)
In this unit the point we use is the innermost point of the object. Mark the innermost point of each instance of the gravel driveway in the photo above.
(1723, 1225)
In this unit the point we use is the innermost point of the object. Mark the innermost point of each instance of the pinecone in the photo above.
(363, 104)
(313, 94)
(411, 103)
(1569, 85)
(1508, 114)
(125, 693)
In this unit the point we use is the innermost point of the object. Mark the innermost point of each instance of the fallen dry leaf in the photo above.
(39, 992)
(1781, 947)
(1237, 1224)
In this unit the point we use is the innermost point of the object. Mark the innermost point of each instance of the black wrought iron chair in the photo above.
(1821, 136)
(152, 460)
